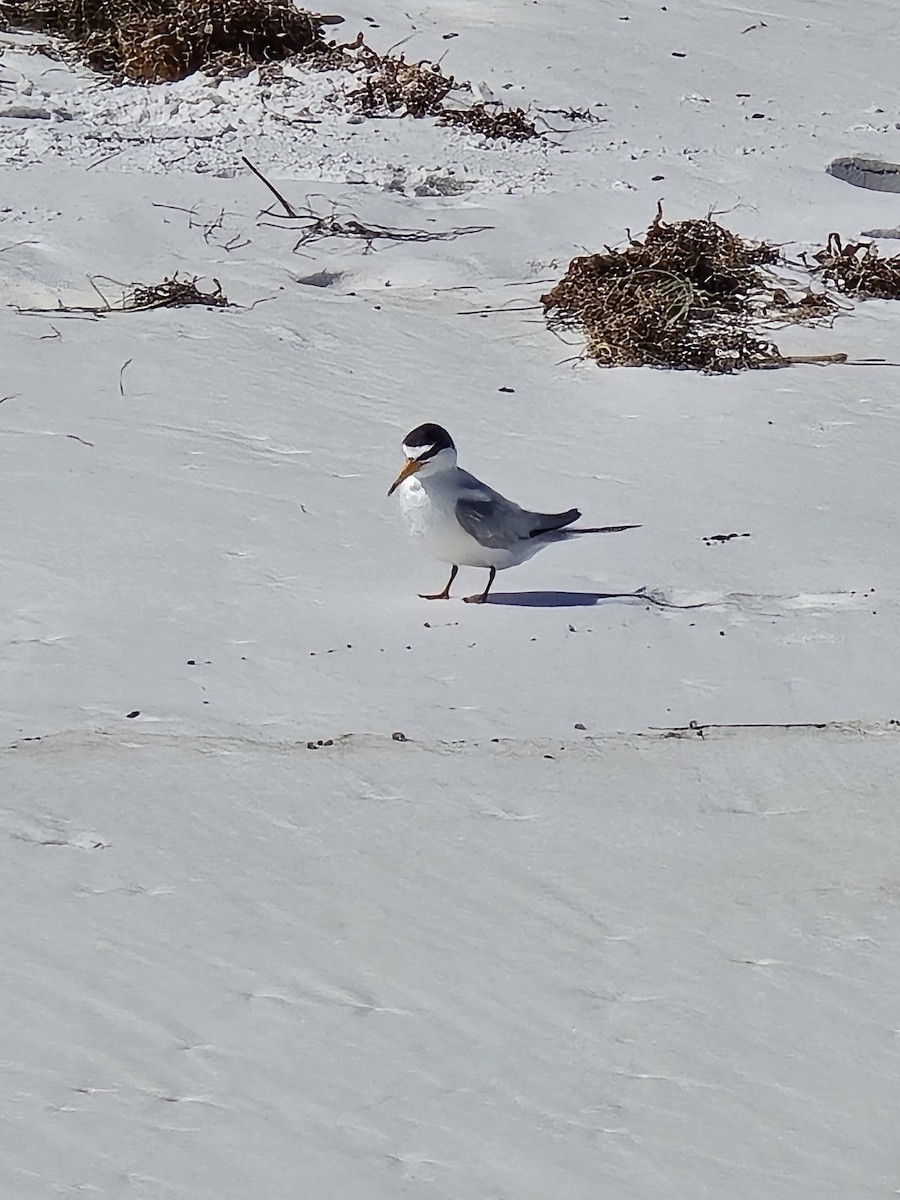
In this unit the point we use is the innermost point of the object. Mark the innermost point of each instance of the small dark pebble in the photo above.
(192, 662)
(578, 725)
(678, 54)
(505, 389)
(572, 629)
(132, 715)
(657, 178)
(548, 756)
(399, 737)
(758, 117)
(448, 36)
(427, 625)
(492, 739)
(721, 633)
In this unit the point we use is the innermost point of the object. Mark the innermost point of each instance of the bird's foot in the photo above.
(445, 594)
(482, 596)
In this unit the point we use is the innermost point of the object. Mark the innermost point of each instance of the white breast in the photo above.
(430, 513)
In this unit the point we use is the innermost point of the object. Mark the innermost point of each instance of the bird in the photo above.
(464, 522)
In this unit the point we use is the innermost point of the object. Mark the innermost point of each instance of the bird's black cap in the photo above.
(430, 438)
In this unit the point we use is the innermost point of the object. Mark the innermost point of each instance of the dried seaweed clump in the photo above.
(158, 40)
(683, 298)
(173, 292)
(420, 89)
(858, 270)
(391, 85)
(496, 122)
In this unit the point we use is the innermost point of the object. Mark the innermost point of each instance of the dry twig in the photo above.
(174, 292)
(314, 227)
(318, 227)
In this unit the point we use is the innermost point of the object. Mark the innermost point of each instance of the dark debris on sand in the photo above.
(158, 41)
(687, 295)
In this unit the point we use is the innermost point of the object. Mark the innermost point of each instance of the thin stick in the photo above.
(125, 364)
(815, 358)
(275, 192)
(483, 312)
(13, 245)
(97, 290)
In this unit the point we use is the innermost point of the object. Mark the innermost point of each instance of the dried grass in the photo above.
(692, 295)
(174, 292)
(858, 270)
(494, 122)
(682, 297)
(154, 41)
(391, 85)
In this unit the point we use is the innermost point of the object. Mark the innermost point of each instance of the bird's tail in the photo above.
(563, 535)
(601, 529)
(544, 523)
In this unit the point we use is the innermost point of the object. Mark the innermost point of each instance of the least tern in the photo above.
(464, 522)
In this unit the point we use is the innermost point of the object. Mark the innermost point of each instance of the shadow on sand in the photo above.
(582, 599)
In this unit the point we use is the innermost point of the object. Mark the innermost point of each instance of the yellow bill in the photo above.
(409, 468)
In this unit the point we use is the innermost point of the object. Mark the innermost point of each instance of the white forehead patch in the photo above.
(416, 451)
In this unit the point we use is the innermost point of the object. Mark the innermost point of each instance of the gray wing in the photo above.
(495, 523)
(551, 522)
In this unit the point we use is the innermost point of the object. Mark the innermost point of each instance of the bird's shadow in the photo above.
(582, 599)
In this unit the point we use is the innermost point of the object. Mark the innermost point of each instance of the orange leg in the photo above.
(480, 599)
(445, 594)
